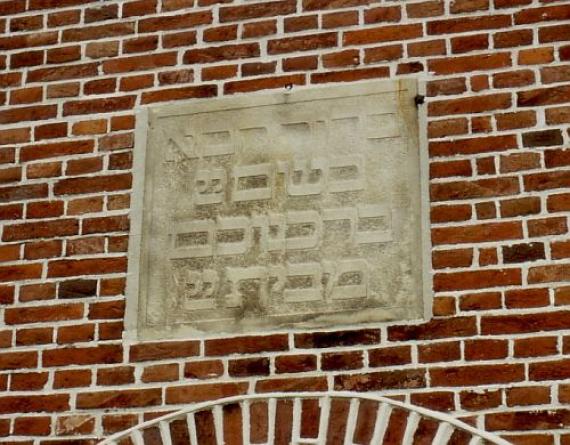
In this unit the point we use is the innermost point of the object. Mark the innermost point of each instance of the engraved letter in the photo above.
(304, 282)
(193, 239)
(374, 224)
(304, 230)
(346, 174)
(209, 186)
(233, 236)
(252, 182)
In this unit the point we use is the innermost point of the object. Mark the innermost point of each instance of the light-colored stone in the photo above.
(264, 212)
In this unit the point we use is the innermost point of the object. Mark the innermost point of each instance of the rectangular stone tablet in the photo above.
(270, 211)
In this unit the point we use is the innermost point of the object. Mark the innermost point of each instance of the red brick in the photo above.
(520, 207)
(182, 21)
(43, 170)
(476, 145)
(85, 205)
(485, 349)
(480, 400)
(351, 75)
(248, 367)
(75, 334)
(201, 393)
(528, 395)
(94, 106)
(163, 350)
(474, 189)
(205, 369)
(117, 375)
(452, 258)
(139, 8)
(468, 24)
(340, 19)
(113, 423)
(301, 23)
(139, 82)
(295, 363)
(140, 44)
(38, 314)
(470, 43)
(103, 354)
(535, 15)
(383, 380)
(246, 345)
(20, 272)
(99, 86)
(544, 96)
(23, 192)
(535, 346)
(88, 266)
(51, 131)
(110, 183)
(174, 77)
(257, 10)
(43, 151)
(476, 104)
(382, 34)
(97, 32)
(160, 373)
(383, 53)
(476, 279)
(520, 253)
(179, 39)
(436, 400)
(33, 113)
(461, 6)
(447, 213)
(260, 29)
(469, 63)
(243, 86)
(43, 229)
(219, 72)
(18, 360)
(72, 378)
(32, 426)
(436, 328)
(292, 384)
(476, 375)
(70, 89)
(390, 356)
(32, 292)
(63, 18)
(34, 403)
(439, 352)
(35, 336)
(119, 399)
(337, 361)
(430, 8)
(536, 56)
(139, 63)
(510, 39)
(29, 381)
(524, 323)
(427, 48)
(201, 91)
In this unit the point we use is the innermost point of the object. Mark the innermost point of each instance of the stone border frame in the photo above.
(146, 115)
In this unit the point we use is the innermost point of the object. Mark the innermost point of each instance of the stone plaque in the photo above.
(263, 212)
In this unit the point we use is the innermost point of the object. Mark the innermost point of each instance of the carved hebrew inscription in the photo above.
(297, 209)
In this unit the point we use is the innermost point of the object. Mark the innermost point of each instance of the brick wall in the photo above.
(72, 74)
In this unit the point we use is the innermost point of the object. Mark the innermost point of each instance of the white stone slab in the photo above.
(266, 212)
